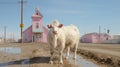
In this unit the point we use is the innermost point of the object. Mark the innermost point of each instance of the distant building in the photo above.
(1, 40)
(95, 38)
(116, 36)
(36, 32)
(115, 40)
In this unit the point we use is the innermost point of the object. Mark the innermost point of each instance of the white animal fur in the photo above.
(65, 37)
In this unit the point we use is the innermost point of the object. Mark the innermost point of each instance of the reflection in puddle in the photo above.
(10, 50)
(25, 63)
(17, 52)
(81, 62)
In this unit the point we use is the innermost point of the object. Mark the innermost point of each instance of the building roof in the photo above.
(37, 30)
(37, 13)
(27, 28)
(96, 34)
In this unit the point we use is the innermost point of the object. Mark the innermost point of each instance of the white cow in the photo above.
(72, 36)
(61, 37)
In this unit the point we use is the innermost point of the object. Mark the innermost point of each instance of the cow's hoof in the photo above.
(74, 58)
(66, 57)
(51, 62)
(61, 62)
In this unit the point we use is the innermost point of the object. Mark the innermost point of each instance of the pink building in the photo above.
(95, 38)
(36, 32)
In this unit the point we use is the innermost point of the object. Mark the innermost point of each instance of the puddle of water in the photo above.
(11, 50)
(25, 63)
(80, 62)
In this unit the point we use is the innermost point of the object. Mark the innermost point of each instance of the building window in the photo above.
(36, 13)
(38, 35)
(37, 25)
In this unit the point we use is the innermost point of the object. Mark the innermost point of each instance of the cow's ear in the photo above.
(60, 25)
(49, 26)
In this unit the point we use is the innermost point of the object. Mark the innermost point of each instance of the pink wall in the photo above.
(86, 38)
(27, 35)
(95, 38)
(36, 20)
(44, 35)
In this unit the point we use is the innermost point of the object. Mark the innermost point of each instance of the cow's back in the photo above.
(72, 34)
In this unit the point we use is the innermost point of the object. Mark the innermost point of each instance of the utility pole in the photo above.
(4, 34)
(22, 25)
(99, 33)
(13, 37)
(108, 31)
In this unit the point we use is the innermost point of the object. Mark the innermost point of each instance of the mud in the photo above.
(107, 60)
(81, 62)
(30, 55)
(38, 54)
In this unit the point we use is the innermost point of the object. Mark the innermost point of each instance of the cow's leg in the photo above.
(75, 53)
(51, 58)
(60, 57)
(61, 52)
(68, 51)
(75, 50)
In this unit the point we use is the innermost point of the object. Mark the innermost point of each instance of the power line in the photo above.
(11, 2)
(8, 2)
(22, 10)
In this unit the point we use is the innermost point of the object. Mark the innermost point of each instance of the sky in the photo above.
(87, 15)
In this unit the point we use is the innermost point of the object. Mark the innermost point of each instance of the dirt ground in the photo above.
(106, 55)
(36, 53)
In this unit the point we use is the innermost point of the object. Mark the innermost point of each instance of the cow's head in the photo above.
(54, 28)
